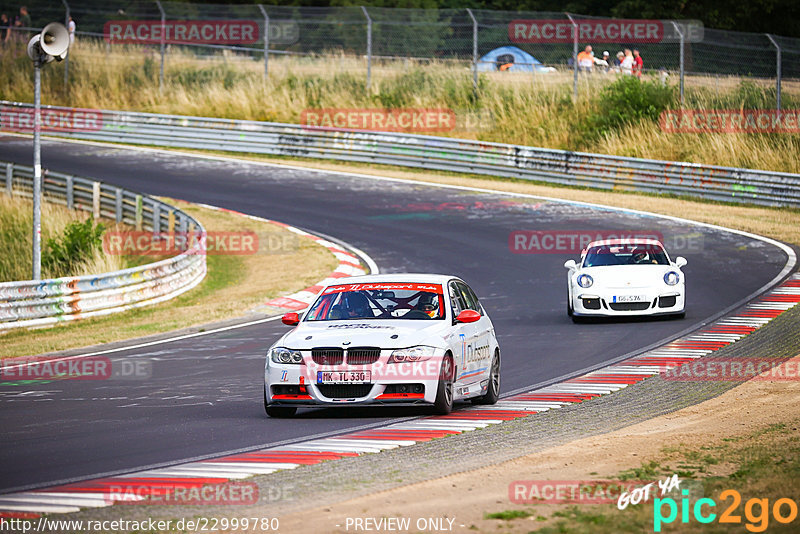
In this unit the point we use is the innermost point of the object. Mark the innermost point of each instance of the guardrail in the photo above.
(420, 151)
(44, 302)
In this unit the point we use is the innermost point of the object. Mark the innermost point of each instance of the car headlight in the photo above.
(412, 354)
(284, 355)
(672, 278)
(585, 280)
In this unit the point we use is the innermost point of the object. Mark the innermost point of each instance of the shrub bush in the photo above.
(627, 101)
(76, 245)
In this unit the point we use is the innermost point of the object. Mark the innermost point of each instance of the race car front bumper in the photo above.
(403, 383)
(606, 304)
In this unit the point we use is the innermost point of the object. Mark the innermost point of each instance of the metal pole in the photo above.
(681, 35)
(37, 171)
(369, 46)
(474, 50)
(66, 59)
(163, 46)
(778, 71)
(574, 57)
(266, 40)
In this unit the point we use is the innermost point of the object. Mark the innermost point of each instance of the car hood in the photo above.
(628, 276)
(384, 333)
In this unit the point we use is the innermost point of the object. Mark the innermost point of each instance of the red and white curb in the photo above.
(157, 482)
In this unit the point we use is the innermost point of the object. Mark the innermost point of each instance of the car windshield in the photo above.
(626, 254)
(379, 301)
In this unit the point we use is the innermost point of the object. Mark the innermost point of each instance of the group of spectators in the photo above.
(627, 62)
(22, 23)
(21, 20)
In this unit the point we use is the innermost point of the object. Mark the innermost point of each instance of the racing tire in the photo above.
(577, 320)
(443, 404)
(569, 305)
(493, 391)
(277, 411)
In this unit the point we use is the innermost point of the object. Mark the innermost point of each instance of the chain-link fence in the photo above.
(544, 42)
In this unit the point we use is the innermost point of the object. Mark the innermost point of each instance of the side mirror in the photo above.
(570, 264)
(680, 261)
(468, 316)
(290, 319)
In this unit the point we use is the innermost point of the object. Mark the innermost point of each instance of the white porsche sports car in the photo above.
(618, 277)
(385, 339)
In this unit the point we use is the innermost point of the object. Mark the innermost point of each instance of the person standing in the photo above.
(71, 27)
(627, 63)
(5, 28)
(617, 65)
(586, 60)
(24, 18)
(638, 64)
(606, 62)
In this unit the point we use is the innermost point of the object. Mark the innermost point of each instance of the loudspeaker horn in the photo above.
(54, 40)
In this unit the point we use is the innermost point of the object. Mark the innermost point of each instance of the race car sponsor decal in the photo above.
(360, 326)
(385, 286)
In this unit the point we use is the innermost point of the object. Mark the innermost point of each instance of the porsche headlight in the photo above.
(412, 354)
(672, 278)
(585, 280)
(286, 356)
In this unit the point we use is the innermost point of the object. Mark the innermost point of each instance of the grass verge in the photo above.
(507, 107)
(234, 285)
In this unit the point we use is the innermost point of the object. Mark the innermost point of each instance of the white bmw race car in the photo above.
(385, 339)
(619, 277)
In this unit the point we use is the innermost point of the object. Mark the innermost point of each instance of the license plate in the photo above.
(343, 377)
(629, 298)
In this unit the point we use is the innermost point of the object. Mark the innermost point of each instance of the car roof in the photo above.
(631, 241)
(396, 278)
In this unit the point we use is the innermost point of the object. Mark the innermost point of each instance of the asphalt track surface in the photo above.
(205, 393)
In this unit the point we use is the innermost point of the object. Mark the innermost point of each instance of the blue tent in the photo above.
(520, 59)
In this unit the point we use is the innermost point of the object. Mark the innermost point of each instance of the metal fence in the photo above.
(439, 153)
(45, 302)
(463, 35)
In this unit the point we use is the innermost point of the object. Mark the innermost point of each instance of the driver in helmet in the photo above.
(640, 255)
(356, 306)
(428, 304)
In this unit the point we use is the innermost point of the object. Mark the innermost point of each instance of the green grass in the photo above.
(508, 515)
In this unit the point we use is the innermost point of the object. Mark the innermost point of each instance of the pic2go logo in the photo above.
(757, 512)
